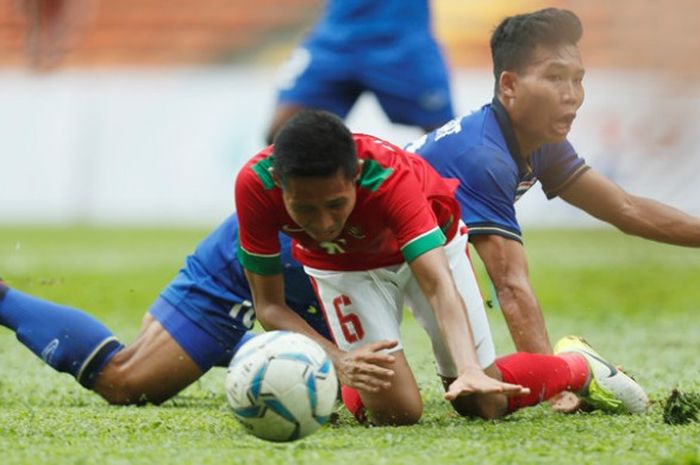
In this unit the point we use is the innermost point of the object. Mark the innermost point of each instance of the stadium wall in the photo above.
(163, 146)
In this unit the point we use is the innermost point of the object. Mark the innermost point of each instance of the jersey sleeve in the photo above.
(259, 248)
(558, 166)
(487, 183)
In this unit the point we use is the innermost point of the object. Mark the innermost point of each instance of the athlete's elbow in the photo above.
(265, 315)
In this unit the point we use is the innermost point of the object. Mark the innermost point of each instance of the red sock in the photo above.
(353, 402)
(545, 375)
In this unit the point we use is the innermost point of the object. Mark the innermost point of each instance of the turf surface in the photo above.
(637, 302)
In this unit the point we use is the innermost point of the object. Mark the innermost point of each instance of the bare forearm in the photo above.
(275, 317)
(451, 314)
(640, 216)
(437, 283)
(656, 221)
(506, 265)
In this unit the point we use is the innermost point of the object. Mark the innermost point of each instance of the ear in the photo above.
(274, 177)
(507, 83)
(358, 170)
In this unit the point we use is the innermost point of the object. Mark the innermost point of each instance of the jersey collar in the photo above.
(503, 121)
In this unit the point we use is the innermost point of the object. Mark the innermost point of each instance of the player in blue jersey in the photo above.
(384, 47)
(503, 149)
(197, 322)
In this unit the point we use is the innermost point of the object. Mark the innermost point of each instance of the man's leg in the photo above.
(314, 78)
(153, 368)
(170, 352)
(365, 307)
(545, 375)
(69, 340)
(412, 88)
(487, 406)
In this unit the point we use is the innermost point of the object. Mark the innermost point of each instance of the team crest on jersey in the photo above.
(356, 232)
(333, 247)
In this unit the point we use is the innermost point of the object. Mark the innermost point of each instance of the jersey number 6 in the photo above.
(349, 322)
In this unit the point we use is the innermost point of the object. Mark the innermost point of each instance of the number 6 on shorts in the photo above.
(349, 322)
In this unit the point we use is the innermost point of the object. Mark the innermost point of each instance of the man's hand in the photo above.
(566, 402)
(477, 382)
(365, 368)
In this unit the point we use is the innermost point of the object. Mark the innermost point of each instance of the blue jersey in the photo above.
(212, 291)
(347, 22)
(385, 47)
(480, 150)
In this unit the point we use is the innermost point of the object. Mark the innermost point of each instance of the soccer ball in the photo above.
(281, 386)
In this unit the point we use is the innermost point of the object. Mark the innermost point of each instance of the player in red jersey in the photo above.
(375, 227)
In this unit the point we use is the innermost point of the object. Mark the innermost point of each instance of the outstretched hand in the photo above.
(566, 402)
(365, 368)
(477, 382)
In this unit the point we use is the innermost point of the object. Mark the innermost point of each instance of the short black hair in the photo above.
(314, 143)
(516, 38)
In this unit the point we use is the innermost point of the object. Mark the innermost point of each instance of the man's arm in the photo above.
(358, 369)
(432, 272)
(506, 265)
(639, 216)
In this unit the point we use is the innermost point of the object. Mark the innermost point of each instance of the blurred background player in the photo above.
(384, 47)
(197, 322)
(500, 151)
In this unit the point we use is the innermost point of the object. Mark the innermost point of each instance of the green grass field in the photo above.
(638, 303)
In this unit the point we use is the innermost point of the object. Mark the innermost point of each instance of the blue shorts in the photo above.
(410, 83)
(205, 349)
(210, 322)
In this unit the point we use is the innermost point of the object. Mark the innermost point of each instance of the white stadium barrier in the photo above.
(154, 147)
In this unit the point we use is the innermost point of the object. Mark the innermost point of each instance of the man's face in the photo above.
(320, 205)
(542, 99)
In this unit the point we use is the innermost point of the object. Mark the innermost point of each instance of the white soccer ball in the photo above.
(281, 386)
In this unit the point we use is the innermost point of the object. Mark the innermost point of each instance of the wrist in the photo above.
(470, 370)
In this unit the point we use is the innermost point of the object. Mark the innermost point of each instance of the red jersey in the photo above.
(403, 209)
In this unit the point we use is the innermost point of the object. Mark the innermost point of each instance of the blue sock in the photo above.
(69, 340)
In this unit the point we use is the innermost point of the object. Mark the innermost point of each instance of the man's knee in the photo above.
(405, 416)
(400, 408)
(119, 384)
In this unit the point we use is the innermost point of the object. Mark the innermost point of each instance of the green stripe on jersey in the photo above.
(423, 243)
(373, 175)
(260, 264)
(262, 169)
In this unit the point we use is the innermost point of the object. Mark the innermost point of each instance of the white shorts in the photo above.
(367, 306)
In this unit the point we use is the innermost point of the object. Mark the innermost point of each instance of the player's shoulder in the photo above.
(471, 140)
(257, 169)
(377, 149)
(554, 154)
(370, 142)
(474, 131)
